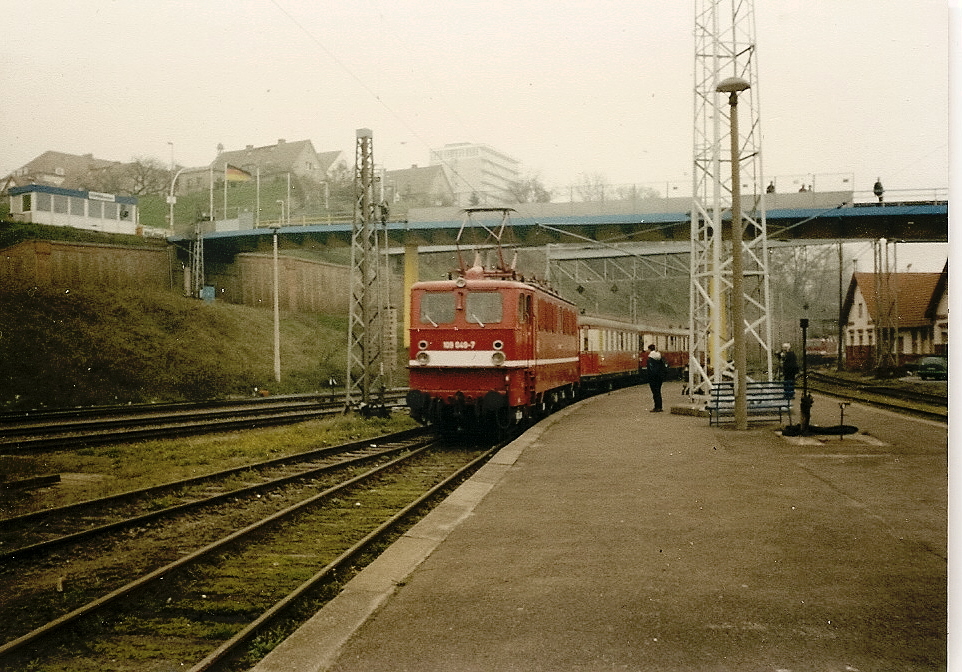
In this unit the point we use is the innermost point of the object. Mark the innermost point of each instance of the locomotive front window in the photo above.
(437, 308)
(484, 308)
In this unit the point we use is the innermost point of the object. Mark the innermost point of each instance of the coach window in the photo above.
(95, 209)
(484, 307)
(110, 210)
(77, 206)
(26, 203)
(437, 308)
(43, 202)
(60, 204)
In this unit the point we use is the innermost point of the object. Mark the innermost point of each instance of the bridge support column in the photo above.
(411, 270)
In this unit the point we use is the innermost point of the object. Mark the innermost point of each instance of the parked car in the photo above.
(932, 368)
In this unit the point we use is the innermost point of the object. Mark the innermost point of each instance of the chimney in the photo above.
(281, 141)
(250, 147)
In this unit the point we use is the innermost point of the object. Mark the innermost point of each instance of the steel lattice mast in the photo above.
(725, 47)
(197, 261)
(364, 366)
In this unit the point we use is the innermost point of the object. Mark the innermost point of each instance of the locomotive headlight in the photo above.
(422, 345)
(498, 345)
(497, 358)
(423, 358)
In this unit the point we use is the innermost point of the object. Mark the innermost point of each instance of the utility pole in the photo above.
(724, 49)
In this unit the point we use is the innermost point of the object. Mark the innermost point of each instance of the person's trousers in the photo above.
(655, 386)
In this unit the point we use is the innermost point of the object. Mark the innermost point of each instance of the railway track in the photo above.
(217, 575)
(42, 532)
(903, 400)
(65, 428)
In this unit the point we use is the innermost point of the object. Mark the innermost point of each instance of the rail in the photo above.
(71, 427)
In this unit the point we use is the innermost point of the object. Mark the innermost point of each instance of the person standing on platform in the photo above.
(789, 363)
(657, 372)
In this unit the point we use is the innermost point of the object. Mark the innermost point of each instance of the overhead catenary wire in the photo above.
(364, 85)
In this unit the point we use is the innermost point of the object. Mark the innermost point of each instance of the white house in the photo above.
(908, 310)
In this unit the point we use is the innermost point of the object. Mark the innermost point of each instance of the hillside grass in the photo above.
(91, 347)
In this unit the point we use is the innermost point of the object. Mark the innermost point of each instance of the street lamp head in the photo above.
(732, 85)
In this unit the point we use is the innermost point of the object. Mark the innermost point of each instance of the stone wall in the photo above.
(305, 285)
(59, 264)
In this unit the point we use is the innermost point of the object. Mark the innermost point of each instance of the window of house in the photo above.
(26, 203)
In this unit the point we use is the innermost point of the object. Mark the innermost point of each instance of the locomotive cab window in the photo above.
(484, 308)
(437, 308)
(524, 308)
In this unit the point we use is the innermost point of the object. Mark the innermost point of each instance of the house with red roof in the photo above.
(903, 313)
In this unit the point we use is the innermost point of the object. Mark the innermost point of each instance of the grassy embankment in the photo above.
(90, 347)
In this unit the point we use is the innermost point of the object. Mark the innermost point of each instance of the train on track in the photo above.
(490, 349)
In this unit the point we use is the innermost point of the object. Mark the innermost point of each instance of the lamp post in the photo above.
(732, 86)
(171, 199)
(277, 306)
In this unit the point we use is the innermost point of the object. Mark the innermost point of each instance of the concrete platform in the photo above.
(611, 538)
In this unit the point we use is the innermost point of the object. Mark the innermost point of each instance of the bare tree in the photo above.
(592, 187)
(632, 192)
(141, 177)
(529, 189)
(146, 175)
(340, 179)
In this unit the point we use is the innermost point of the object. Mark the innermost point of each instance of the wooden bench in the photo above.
(764, 397)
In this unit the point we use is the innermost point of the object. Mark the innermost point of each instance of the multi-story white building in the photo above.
(479, 174)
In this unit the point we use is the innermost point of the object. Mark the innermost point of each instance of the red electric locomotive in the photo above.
(489, 349)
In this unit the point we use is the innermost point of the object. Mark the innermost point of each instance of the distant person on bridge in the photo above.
(789, 363)
(657, 372)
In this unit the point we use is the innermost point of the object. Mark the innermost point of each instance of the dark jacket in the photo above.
(657, 368)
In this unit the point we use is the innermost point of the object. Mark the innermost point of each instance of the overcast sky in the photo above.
(851, 87)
